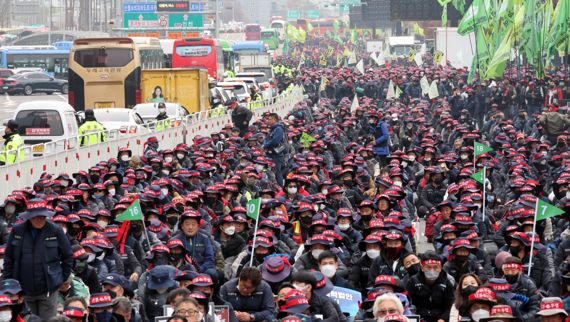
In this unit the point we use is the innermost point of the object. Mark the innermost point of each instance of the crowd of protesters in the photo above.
(338, 210)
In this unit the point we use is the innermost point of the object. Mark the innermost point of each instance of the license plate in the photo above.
(38, 148)
(105, 105)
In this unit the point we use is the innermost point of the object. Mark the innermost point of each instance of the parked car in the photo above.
(5, 73)
(239, 89)
(149, 111)
(126, 120)
(267, 84)
(46, 121)
(29, 83)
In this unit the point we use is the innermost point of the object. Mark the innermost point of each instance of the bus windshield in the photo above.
(194, 50)
(252, 28)
(268, 35)
(103, 57)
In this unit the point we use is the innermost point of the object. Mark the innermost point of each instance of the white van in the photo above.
(41, 122)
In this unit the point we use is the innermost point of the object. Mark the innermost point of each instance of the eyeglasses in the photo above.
(382, 313)
(186, 312)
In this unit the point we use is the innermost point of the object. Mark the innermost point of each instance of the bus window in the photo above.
(194, 50)
(103, 57)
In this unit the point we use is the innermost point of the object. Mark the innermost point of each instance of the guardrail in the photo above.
(66, 155)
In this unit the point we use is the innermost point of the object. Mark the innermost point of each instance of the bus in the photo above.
(104, 73)
(270, 37)
(252, 31)
(199, 52)
(64, 44)
(327, 25)
(229, 55)
(280, 26)
(249, 47)
(152, 55)
(49, 59)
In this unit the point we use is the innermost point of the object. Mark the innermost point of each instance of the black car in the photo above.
(29, 83)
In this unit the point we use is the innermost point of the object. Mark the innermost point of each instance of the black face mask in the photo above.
(348, 183)
(514, 251)
(178, 256)
(259, 257)
(80, 266)
(160, 260)
(136, 228)
(414, 269)
(306, 221)
(468, 290)
(172, 221)
(113, 294)
(461, 258)
(210, 200)
(511, 279)
(73, 231)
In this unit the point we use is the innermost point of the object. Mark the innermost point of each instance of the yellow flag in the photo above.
(323, 61)
(412, 55)
(346, 52)
(330, 51)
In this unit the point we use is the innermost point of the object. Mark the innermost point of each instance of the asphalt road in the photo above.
(9, 103)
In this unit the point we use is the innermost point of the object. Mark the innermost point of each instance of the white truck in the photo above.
(458, 50)
(246, 61)
(400, 46)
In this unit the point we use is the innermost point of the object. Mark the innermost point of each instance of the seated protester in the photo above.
(412, 264)
(478, 251)
(72, 287)
(467, 285)
(101, 308)
(323, 288)
(395, 318)
(526, 299)
(542, 271)
(503, 313)
(306, 282)
(328, 265)
(203, 307)
(552, 310)
(197, 243)
(188, 309)
(250, 296)
(345, 220)
(447, 234)
(480, 304)
(390, 261)
(385, 305)
(295, 302)
(123, 310)
(263, 247)
(20, 310)
(462, 262)
(204, 284)
(232, 244)
(276, 270)
(430, 290)
(370, 248)
(117, 286)
(313, 249)
(160, 281)
(75, 314)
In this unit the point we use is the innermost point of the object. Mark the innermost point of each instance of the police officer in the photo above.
(12, 142)
(91, 132)
(162, 121)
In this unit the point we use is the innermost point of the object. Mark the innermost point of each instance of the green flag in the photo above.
(309, 27)
(306, 139)
(444, 16)
(481, 148)
(559, 31)
(335, 26)
(545, 210)
(498, 63)
(459, 5)
(253, 208)
(476, 15)
(478, 176)
(134, 212)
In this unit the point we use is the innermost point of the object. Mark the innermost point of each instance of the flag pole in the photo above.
(146, 233)
(484, 191)
(253, 244)
(532, 240)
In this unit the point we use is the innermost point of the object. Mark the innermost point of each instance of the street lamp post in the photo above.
(50, 22)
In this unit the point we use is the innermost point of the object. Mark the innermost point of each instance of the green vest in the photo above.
(91, 132)
(10, 150)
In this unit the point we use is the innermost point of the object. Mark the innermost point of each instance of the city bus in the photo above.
(150, 49)
(270, 37)
(49, 59)
(249, 47)
(104, 73)
(280, 26)
(327, 25)
(229, 55)
(199, 52)
(64, 44)
(252, 31)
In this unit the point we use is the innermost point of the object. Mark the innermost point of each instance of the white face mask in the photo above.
(325, 191)
(2, 263)
(168, 159)
(164, 191)
(380, 320)
(125, 157)
(230, 230)
(398, 183)
(10, 209)
(258, 167)
(428, 159)
(343, 227)
(265, 200)
(431, 275)
(165, 172)
(64, 230)
(101, 257)
(161, 110)
(200, 317)
(180, 155)
(5, 316)
(112, 192)
(464, 156)
(323, 206)
(568, 194)
(373, 253)
(90, 258)
(316, 253)
(404, 164)
(292, 191)
(102, 223)
(328, 270)
(479, 314)
(412, 158)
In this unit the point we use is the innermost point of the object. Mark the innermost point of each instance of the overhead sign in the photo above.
(293, 14)
(197, 6)
(162, 20)
(172, 6)
(139, 7)
(313, 14)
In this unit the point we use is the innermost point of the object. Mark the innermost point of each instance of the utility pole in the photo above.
(50, 21)
(217, 22)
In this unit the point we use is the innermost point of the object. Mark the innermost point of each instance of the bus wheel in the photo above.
(64, 89)
(28, 90)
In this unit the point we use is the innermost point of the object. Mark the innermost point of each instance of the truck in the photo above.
(400, 46)
(458, 50)
(185, 86)
(246, 61)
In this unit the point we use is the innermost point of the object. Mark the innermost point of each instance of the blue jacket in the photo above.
(200, 248)
(40, 264)
(381, 136)
(260, 303)
(275, 136)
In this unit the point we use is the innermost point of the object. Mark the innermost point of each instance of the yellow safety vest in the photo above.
(91, 132)
(10, 149)
(163, 124)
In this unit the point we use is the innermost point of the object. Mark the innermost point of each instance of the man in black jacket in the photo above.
(241, 116)
(431, 290)
(38, 255)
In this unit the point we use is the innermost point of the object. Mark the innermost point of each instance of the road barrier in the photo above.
(66, 155)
